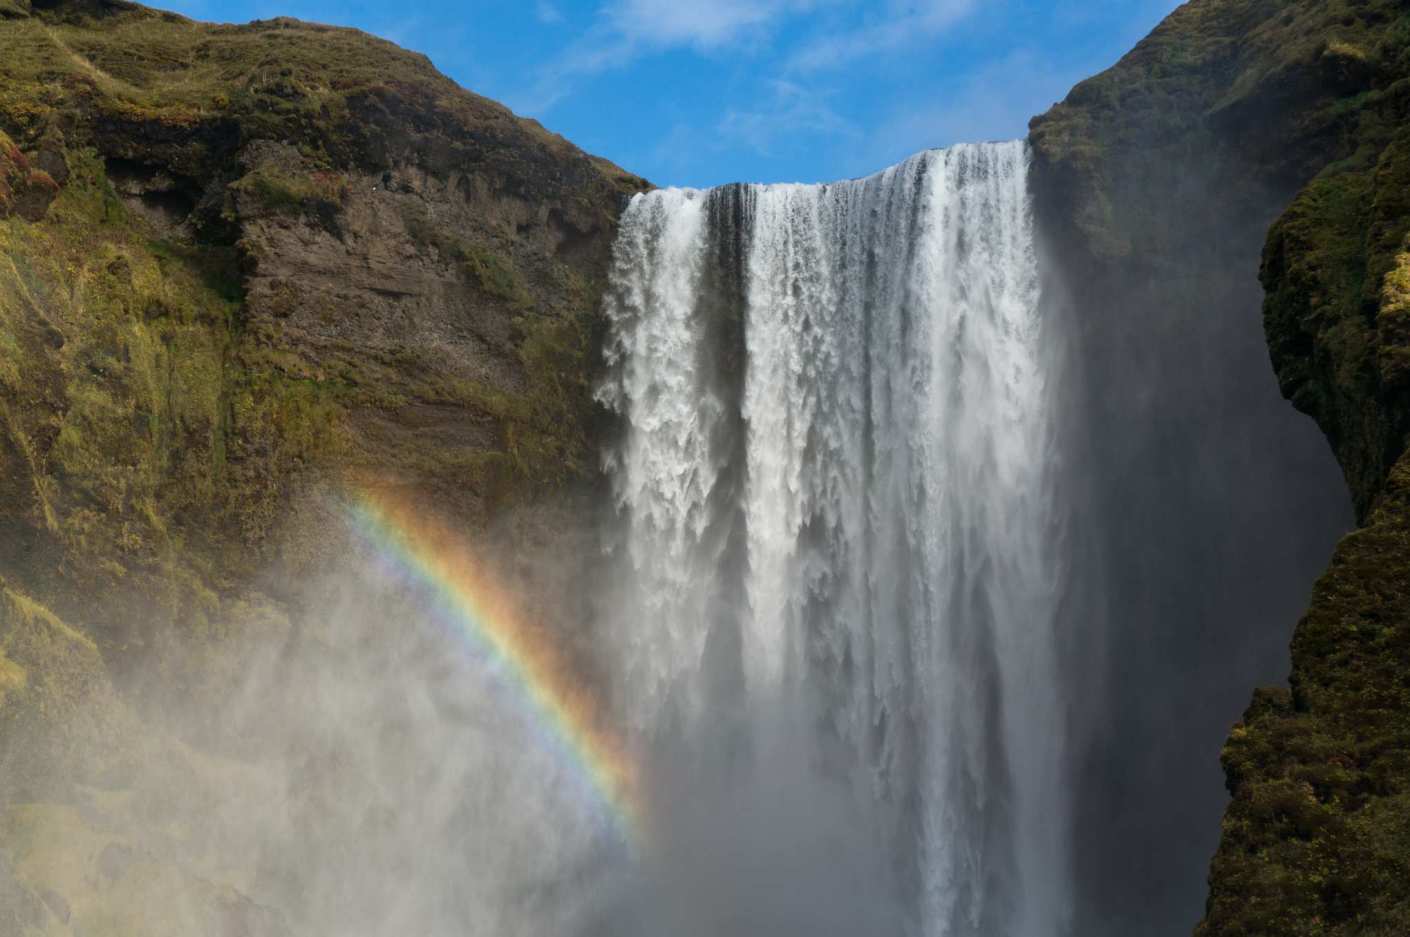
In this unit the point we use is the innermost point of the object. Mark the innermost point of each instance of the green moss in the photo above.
(13, 678)
(1393, 321)
(1337, 336)
(143, 432)
(281, 428)
(1315, 271)
(51, 674)
(495, 274)
(294, 193)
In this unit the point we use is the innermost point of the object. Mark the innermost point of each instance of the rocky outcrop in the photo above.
(278, 257)
(1233, 115)
(1233, 107)
(244, 270)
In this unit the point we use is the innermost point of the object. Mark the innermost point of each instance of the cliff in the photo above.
(241, 262)
(246, 269)
(1232, 115)
(243, 269)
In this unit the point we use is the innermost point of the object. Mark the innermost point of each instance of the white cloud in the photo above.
(903, 23)
(628, 29)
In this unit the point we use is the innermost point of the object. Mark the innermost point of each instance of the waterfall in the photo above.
(836, 479)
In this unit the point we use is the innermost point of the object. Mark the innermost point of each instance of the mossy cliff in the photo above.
(1236, 120)
(242, 269)
(239, 263)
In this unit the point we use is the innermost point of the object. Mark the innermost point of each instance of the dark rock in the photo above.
(52, 160)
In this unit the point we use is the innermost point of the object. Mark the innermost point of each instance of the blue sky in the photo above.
(712, 91)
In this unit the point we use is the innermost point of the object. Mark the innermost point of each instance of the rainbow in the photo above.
(431, 556)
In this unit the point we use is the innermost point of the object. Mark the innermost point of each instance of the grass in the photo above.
(278, 79)
(494, 273)
(138, 420)
(319, 193)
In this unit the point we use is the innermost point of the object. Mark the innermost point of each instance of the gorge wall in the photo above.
(1160, 179)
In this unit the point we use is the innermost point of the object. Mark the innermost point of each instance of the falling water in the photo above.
(836, 479)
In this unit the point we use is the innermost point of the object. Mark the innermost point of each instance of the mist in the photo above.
(367, 771)
(1208, 506)
(748, 834)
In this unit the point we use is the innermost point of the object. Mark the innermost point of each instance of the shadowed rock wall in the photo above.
(1161, 179)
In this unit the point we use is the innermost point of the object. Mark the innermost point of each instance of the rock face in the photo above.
(278, 257)
(244, 270)
(1232, 115)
